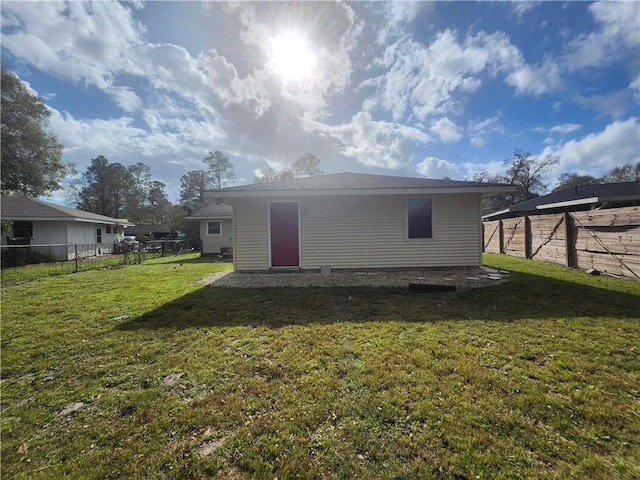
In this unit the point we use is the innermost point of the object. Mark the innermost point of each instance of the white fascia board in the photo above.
(495, 214)
(582, 201)
(104, 222)
(489, 190)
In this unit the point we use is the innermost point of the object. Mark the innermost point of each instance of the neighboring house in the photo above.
(152, 232)
(356, 221)
(573, 199)
(216, 227)
(593, 227)
(35, 222)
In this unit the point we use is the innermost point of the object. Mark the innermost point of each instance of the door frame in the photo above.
(297, 202)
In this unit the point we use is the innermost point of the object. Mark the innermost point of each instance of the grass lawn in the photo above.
(141, 371)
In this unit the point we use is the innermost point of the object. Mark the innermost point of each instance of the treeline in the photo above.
(220, 172)
(529, 173)
(119, 191)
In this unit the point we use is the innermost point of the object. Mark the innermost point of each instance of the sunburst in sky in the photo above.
(291, 57)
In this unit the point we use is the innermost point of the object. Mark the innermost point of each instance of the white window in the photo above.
(419, 218)
(214, 227)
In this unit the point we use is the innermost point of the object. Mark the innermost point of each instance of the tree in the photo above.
(527, 172)
(31, 158)
(221, 170)
(626, 173)
(192, 187)
(269, 175)
(568, 180)
(158, 203)
(308, 165)
(105, 188)
(137, 197)
(495, 202)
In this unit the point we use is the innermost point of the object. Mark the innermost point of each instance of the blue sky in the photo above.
(412, 89)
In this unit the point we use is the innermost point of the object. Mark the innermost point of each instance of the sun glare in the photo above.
(291, 57)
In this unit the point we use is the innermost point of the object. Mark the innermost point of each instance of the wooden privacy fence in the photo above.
(607, 240)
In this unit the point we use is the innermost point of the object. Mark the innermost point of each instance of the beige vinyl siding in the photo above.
(370, 232)
(355, 232)
(251, 235)
(211, 244)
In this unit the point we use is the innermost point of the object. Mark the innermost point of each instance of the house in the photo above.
(592, 227)
(216, 227)
(573, 199)
(355, 221)
(35, 222)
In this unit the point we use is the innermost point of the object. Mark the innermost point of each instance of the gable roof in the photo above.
(358, 184)
(32, 209)
(575, 197)
(212, 210)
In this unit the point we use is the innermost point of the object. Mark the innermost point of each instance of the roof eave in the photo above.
(482, 190)
(495, 214)
(68, 219)
(208, 217)
(568, 203)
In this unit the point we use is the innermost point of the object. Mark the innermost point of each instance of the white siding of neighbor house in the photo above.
(212, 244)
(355, 232)
(48, 233)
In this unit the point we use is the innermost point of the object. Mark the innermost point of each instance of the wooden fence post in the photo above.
(501, 236)
(527, 237)
(569, 241)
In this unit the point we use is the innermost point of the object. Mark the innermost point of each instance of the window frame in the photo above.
(407, 221)
(219, 222)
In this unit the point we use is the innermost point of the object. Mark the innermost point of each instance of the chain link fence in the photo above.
(24, 262)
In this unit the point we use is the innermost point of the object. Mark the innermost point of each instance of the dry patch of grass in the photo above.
(142, 371)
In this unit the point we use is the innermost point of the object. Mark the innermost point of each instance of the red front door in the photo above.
(284, 234)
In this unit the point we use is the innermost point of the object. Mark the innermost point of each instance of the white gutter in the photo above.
(568, 203)
(494, 214)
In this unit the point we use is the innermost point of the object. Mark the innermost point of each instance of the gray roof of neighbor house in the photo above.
(574, 198)
(32, 209)
(358, 184)
(212, 210)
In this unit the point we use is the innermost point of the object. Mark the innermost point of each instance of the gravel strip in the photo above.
(462, 278)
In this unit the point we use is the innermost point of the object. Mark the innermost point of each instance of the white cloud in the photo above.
(433, 167)
(537, 79)
(619, 30)
(424, 81)
(617, 144)
(397, 15)
(521, 7)
(446, 130)
(493, 168)
(74, 40)
(480, 130)
(565, 128)
(375, 143)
